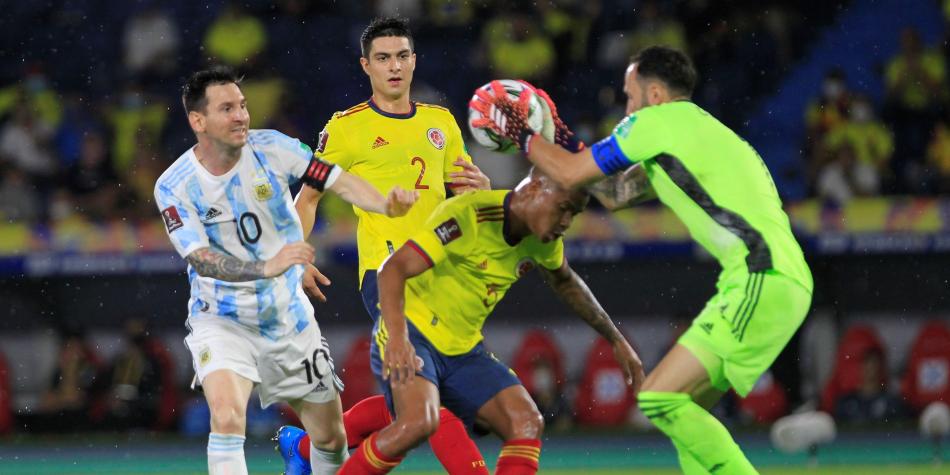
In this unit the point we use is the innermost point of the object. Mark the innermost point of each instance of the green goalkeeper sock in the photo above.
(696, 432)
(688, 464)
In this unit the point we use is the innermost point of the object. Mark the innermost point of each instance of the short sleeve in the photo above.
(181, 221)
(551, 255)
(454, 148)
(449, 230)
(292, 155)
(332, 145)
(638, 137)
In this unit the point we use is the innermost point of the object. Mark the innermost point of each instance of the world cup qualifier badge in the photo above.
(172, 219)
(436, 138)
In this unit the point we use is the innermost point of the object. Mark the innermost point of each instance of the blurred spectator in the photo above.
(92, 180)
(73, 394)
(265, 94)
(19, 201)
(138, 392)
(35, 91)
(139, 183)
(938, 156)
(517, 48)
(138, 120)
(24, 140)
(410, 9)
(654, 27)
(446, 14)
(568, 23)
(871, 400)
(868, 138)
(231, 24)
(916, 90)
(150, 44)
(845, 177)
(829, 111)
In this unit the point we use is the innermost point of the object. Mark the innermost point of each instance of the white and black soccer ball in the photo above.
(537, 113)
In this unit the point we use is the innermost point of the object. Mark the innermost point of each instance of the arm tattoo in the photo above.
(624, 189)
(208, 263)
(573, 291)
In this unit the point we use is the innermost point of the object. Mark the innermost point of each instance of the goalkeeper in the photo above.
(722, 191)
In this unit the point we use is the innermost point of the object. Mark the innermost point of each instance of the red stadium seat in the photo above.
(357, 375)
(603, 398)
(766, 402)
(6, 396)
(537, 347)
(847, 373)
(928, 367)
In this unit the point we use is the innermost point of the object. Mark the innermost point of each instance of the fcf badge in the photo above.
(436, 138)
(263, 190)
(524, 266)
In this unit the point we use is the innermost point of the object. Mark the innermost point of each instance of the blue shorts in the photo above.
(465, 382)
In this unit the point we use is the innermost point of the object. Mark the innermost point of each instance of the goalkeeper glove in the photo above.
(504, 116)
(563, 135)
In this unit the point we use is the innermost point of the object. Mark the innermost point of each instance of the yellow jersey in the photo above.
(474, 262)
(413, 150)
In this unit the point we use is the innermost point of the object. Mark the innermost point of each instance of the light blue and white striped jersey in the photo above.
(247, 213)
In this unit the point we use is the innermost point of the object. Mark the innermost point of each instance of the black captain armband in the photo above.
(320, 174)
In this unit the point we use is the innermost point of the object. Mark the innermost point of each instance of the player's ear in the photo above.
(365, 64)
(197, 121)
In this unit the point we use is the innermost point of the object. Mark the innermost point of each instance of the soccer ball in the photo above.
(536, 117)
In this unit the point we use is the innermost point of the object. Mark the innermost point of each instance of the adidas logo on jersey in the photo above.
(379, 142)
(706, 326)
(320, 387)
(211, 214)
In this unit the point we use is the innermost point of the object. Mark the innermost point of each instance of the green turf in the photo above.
(887, 453)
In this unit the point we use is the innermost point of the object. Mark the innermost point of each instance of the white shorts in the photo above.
(292, 368)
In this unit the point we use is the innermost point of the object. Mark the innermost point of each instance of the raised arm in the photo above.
(399, 361)
(216, 265)
(359, 192)
(573, 291)
(623, 190)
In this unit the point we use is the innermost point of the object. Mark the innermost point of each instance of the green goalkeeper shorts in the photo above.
(745, 326)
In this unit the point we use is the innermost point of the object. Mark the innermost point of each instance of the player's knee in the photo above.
(332, 440)
(526, 424)
(419, 428)
(227, 419)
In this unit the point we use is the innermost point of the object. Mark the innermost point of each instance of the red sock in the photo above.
(457, 452)
(519, 457)
(364, 418)
(368, 460)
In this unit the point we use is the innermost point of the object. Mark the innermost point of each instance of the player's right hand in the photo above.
(312, 280)
(503, 115)
(400, 362)
(563, 135)
(630, 364)
(400, 201)
(291, 254)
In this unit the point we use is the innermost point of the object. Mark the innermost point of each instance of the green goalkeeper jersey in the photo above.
(715, 182)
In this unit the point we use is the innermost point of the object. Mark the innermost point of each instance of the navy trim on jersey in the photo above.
(609, 157)
(408, 115)
(506, 226)
(760, 257)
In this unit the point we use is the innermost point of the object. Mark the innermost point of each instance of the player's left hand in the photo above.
(630, 363)
(469, 179)
(503, 115)
(400, 201)
(312, 280)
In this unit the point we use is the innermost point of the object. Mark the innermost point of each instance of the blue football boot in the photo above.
(288, 439)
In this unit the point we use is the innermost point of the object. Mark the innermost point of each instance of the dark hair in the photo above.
(382, 27)
(193, 95)
(669, 65)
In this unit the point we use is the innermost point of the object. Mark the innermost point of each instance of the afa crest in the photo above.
(436, 138)
(263, 190)
(204, 357)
